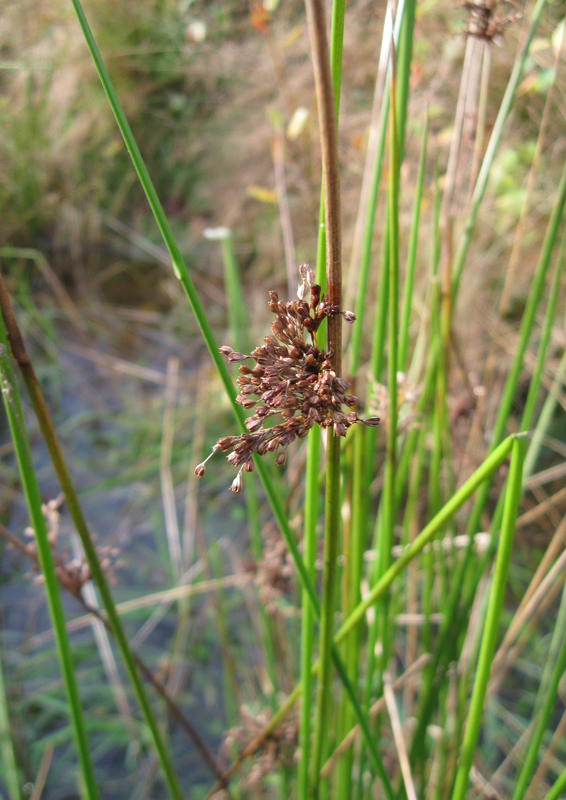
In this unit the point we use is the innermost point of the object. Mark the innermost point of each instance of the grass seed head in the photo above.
(292, 378)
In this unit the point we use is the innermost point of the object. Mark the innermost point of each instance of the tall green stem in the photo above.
(512, 498)
(331, 184)
(28, 477)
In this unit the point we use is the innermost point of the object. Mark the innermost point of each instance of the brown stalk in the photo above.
(332, 511)
(330, 175)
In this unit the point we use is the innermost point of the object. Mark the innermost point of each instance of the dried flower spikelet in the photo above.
(407, 397)
(277, 750)
(289, 377)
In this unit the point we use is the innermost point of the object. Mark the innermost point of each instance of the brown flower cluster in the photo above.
(291, 377)
(71, 572)
(485, 22)
(274, 571)
(279, 749)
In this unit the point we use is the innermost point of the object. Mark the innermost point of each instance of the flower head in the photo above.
(291, 378)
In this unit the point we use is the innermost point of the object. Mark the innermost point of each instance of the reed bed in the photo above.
(381, 667)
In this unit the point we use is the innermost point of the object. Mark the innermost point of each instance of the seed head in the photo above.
(291, 378)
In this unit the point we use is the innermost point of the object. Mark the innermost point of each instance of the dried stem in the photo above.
(331, 186)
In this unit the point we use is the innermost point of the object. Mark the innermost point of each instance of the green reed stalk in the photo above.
(351, 576)
(8, 758)
(180, 269)
(558, 789)
(237, 315)
(546, 333)
(544, 419)
(28, 477)
(239, 331)
(331, 184)
(412, 257)
(512, 498)
(388, 497)
(527, 323)
(549, 691)
(313, 452)
(483, 473)
(307, 626)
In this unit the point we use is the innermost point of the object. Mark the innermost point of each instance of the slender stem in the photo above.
(313, 452)
(7, 755)
(55, 453)
(412, 257)
(484, 471)
(512, 498)
(22, 448)
(428, 533)
(331, 185)
(558, 788)
(527, 323)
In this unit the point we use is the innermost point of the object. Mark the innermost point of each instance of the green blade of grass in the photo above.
(412, 257)
(512, 498)
(542, 721)
(557, 791)
(180, 269)
(7, 755)
(483, 473)
(527, 323)
(20, 439)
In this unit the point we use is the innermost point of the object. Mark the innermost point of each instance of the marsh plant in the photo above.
(292, 378)
(401, 644)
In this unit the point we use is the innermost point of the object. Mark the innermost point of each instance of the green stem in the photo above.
(483, 473)
(8, 758)
(558, 789)
(527, 323)
(331, 184)
(512, 498)
(313, 451)
(412, 256)
(22, 448)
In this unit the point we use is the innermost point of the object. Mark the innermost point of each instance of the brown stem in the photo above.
(330, 174)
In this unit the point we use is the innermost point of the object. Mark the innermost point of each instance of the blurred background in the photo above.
(220, 98)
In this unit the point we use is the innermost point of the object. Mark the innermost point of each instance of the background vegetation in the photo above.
(220, 98)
